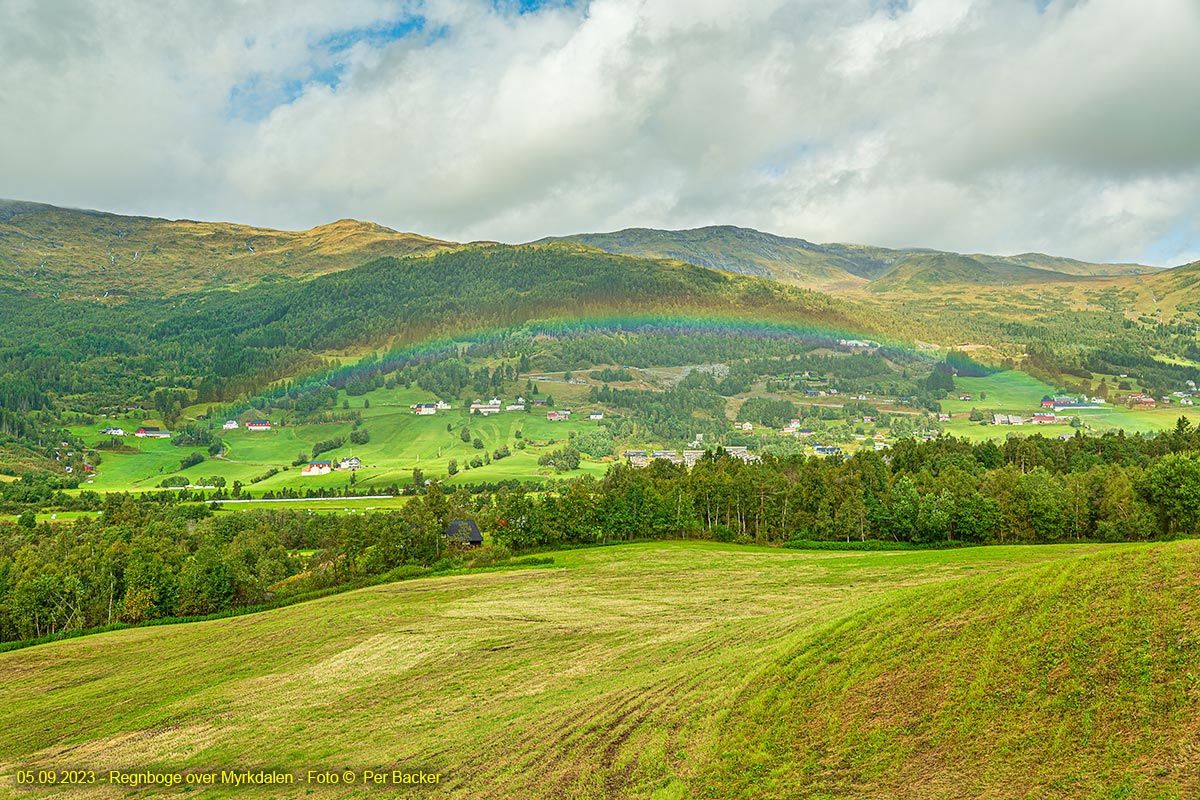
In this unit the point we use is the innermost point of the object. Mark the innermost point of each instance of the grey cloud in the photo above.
(978, 125)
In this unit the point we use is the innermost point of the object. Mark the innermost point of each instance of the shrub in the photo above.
(191, 460)
(490, 555)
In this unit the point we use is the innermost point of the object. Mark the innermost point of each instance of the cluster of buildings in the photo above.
(794, 428)
(144, 432)
(1049, 414)
(1061, 402)
(496, 406)
(252, 425)
(1041, 418)
(326, 467)
(642, 458)
(428, 409)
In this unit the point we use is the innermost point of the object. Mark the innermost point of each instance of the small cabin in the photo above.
(464, 531)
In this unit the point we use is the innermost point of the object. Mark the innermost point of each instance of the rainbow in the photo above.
(558, 328)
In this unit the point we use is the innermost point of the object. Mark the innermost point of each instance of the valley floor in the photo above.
(663, 670)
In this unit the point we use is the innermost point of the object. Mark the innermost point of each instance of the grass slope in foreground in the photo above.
(663, 670)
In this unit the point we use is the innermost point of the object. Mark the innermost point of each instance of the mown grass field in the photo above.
(663, 670)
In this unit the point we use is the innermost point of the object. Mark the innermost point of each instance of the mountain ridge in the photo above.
(829, 266)
(83, 253)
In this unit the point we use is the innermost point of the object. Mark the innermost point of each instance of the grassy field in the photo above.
(60, 516)
(401, 442)
(1015, 392)
(662, 670)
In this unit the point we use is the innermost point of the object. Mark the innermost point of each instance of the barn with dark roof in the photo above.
(464, 531)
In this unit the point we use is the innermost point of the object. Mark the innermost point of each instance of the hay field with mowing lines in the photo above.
(662, 670)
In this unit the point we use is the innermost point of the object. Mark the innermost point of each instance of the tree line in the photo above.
(158, 556)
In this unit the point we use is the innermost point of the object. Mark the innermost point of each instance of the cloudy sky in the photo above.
(1003, 126)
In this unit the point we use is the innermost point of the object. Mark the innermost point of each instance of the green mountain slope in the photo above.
(664, 670)
(831, 267)
(740, 250)
(225, 343)
(1068, 266)
(1177, 288)
(921, 272)
(49, 250)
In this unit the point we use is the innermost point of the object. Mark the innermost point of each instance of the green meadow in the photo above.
(660, 670)
(1014, 392)
(401, 441)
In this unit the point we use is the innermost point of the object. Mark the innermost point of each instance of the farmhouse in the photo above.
(353, 462)
(943, 417)
(113, 432)
(1047, 401)
(317, 468)
(827, 450)
(492, 407)
(442, 405)
(230, 425)
(539, 402)
(595, 415)
(745, 426)
(1007, 419)
(152, 433)
(464, 531)
(424, 409)
(559, 416)
(1044, 419)
(515, 407)
(258, 425)
(690, 457)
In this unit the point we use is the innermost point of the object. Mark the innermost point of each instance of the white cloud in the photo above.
(977, 125)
